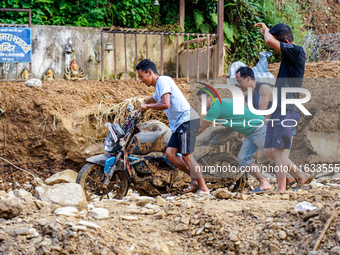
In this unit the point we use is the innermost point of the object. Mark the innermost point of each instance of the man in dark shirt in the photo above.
(278, 137)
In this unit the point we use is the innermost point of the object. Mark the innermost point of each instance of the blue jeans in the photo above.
(251, 144)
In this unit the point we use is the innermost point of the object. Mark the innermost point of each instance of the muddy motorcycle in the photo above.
(215, 151)
(136, 159)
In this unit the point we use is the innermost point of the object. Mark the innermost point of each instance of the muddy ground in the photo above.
(59, 125)
(53, 128)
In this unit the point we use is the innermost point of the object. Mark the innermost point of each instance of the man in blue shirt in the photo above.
(183, 122)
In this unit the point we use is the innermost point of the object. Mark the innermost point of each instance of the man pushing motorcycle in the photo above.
(183, 121)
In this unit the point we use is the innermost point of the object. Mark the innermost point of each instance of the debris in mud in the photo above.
(183, 224)
(54, 135)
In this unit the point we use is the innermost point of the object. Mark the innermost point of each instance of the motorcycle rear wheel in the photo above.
(91, 178)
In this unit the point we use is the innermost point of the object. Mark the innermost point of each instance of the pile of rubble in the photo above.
(54, 217)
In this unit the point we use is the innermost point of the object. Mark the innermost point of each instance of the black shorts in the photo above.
(279, 136)
(184, 137)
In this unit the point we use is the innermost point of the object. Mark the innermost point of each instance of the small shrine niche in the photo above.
(74, 73)
(49, 75)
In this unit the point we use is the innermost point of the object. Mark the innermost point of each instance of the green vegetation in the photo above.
(243, 41)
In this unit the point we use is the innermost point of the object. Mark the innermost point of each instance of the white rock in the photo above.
(68, 211)
(43, 222)
(199, 231)
(187, 204)
(282, 234)
(79, 228)
(35, 240)
(83, 213)
(33, 83)
(233, 237)
(90, 206)
(143, 200)
(64, 195)
(89, 224)
(127, 217)
(3, 194)
(10, 194)
(315, 185)
(335, 250)
(147, 211)
(160, 201)
(66, 176)
(133, 210)
(185, 220)
(156, 208)
(181, 227)
(23, 194)
(28, 232)
(160, 214)
(10, 207)
(99, 213)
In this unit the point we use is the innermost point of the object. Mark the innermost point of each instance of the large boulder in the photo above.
(67, 176)
(10, 207)
(63, 194)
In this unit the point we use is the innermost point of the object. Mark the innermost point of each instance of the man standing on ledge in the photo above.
(292, 68)
(169, 98)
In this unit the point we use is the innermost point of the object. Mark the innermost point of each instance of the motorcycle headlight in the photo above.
(109, 143)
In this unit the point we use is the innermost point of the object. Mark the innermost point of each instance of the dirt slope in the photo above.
(56, 127)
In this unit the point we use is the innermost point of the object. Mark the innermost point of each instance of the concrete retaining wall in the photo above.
(49, 43)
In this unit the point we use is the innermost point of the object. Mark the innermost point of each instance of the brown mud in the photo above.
(58, 126)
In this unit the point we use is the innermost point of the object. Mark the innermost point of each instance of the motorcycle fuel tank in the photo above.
(153, 136)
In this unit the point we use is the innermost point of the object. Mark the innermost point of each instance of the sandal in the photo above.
(300, 185)
(290, 184)
(258, 190)
(191, 188)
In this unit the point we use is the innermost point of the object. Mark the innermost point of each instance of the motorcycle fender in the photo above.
(108, 164)
(99, 159)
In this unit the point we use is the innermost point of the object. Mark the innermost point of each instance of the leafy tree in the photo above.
(243, 41)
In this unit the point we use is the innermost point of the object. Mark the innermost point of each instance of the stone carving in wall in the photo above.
(25, 74)
(49, 75)
(74, 73)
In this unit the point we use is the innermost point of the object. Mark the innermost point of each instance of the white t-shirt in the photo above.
(179, 110)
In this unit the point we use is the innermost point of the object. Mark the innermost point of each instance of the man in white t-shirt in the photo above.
(183, 121)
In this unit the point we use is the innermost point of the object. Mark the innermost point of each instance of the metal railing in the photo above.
(324, 47)
(199, 38)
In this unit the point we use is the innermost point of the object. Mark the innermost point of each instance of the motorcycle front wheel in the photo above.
(91, 178)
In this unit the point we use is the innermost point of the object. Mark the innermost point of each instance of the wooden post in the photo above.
(102, 55)
(198, 58)
(181, 13)
(177, 60)
(220, 48)
(162, 53)
(136, 56)
(115, 54)
(188, 38)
